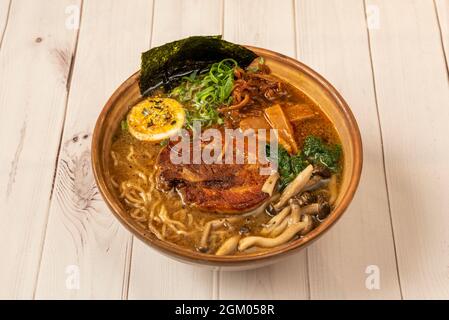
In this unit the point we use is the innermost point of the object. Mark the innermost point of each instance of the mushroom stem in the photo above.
(311, 209)
(296, 212)
(322, 209)
(208, 229)
(262, 207)
(275, 221)
(295, 186)
(309, 224)
(229, 246)
(270, 183)
(262, 242)
(280, 228)
(333, 189)
(205, 236)
(315, 183)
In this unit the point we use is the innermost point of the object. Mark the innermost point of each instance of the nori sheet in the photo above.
(165, 65)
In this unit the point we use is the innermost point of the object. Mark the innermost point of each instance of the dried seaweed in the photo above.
(165, 65)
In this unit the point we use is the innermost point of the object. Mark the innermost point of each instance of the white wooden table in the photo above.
(389, 59)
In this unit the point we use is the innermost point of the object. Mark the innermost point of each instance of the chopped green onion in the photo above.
(207, 91)
(124, 125)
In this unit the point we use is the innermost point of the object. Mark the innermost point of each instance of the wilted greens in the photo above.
(289, 166)
(315, 151)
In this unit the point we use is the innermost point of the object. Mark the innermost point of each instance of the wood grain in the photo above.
(332, 39)
(34, 66)
(4, 12)
(413, 95)
(268, 24)
(177, 19)
(442, 7)
(82, 235)
(152, 275)
(394, 77)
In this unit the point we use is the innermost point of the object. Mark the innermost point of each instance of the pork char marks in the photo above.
(221, 188)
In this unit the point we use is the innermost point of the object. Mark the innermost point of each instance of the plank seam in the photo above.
(152, 23)
(6, 24)
(441, 37)
(127, 269)
(216, 278)
(222, 19)
(382, 146)
(296, 34)
(129, 256)
(68, 85)
(309, 287)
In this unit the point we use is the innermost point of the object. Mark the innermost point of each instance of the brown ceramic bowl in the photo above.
(295, 73)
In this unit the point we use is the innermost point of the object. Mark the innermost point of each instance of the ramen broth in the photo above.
(133, 175)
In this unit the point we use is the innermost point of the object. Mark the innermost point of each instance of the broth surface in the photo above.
(133, 174)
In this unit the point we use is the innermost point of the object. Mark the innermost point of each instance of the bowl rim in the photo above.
(291, 247)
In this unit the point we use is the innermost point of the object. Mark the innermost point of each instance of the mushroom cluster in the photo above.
(305, 202)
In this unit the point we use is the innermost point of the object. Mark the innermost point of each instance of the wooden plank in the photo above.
(177, 19)
(152, 275)
(413, 95)
(442, 7)
(332, 39)
(35, 60)
(4, 12)
(269, 24)
(87, 252)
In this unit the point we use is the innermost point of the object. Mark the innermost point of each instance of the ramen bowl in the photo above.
(320, 91)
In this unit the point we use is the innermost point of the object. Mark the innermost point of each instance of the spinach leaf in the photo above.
(317, 152)
(298, 163)
(288, 166)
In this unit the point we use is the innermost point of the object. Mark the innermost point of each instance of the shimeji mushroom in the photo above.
(294, 217)
(260, 209)
(210, 226)
(321, 209)
(263, 242)
(309, 224)
(270, 183)
(279, 228)
(306, 198)
(296, 212)
(275, 221)
(316, 182)
(229, 246)
(294, 187)
(333, 189)
(321, 170)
